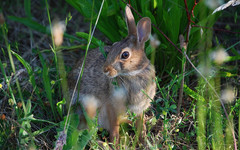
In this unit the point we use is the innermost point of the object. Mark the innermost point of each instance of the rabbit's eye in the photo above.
(106, 53)
(125, 55)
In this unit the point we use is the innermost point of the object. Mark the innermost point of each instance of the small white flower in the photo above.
(90, 104)
(206, 70)
(219, 56)
(213, 3)
(154, 42)
(58, 30)
(228, 95)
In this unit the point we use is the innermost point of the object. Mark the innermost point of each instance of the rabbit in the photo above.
(128, 67)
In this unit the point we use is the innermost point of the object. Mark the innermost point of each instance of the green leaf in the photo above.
(28, 106)
(192, 93)
(107, 23)
(173, 107)
(227, 74)
(27, 8)
(232, 58)
(28, 68)
(31, 118)
(85, 36)
(60, 106)
(83, 6)
(42, 130)
(47, 85)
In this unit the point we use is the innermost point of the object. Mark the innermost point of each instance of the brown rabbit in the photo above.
(127, 66)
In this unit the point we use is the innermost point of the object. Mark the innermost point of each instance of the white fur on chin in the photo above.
(132, 73)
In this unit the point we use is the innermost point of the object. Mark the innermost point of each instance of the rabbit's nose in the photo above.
(106, 69)
(110, 71)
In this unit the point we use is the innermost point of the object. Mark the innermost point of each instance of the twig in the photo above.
(183, 45)
(195, 4)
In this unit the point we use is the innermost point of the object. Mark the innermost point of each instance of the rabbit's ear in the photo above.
(130, 21)
(143, 30)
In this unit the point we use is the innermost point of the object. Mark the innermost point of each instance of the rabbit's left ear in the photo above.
(143, 30)
(130, 21)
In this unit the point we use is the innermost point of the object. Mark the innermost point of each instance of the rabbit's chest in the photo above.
(139, 96)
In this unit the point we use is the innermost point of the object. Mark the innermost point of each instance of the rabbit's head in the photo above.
(127, 57)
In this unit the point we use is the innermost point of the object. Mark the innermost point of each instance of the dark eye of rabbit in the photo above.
(125, 55)
(106, 53)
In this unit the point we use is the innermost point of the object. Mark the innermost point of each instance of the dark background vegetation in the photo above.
(26, 34)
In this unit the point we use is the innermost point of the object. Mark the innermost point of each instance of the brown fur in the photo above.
(133, 75)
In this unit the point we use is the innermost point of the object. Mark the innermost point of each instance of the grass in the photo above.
(33, 74)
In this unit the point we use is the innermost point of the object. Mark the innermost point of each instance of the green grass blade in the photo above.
(31, 76)
(27, 8)
(9, 87)
(85, 36)
(28, 68)
(13, 66)
(42, 130)
(31, 118)
(47, 86)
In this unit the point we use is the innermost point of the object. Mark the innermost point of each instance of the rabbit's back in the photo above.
(93, 82)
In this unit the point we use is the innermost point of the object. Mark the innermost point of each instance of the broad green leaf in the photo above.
(85, 36)
(192, 93)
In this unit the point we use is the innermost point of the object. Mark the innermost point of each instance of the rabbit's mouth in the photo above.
(110, 72)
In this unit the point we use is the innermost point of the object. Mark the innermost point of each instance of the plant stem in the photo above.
(183, 44)
(201, 119)
(216, 109)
